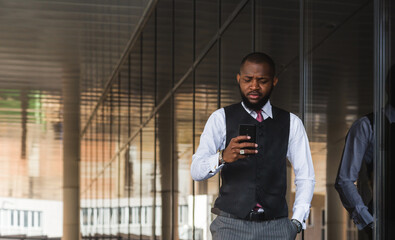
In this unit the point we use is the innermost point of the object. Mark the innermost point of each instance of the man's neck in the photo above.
(267, 108)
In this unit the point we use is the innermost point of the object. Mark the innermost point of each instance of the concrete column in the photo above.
(168, 173)
(71, 157)
(24, 107)
(336, 131)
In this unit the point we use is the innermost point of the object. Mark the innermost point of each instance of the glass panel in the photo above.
(183, 110)
(107, 164)
(390, 139)
(135, 154)
(385, 119)
(206, 23)
(148, 167)
(165, 81)
(164, 48)
(206, 102)
(183, 116)
(228, 7)
(339, 59)
(240, 29)
(279, 38)
(147, 178)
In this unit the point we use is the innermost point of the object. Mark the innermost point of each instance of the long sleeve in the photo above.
(300, 157)
(358, 148)
(205, 160)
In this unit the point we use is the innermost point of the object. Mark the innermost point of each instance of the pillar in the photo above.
(168, 173)
(71, 155)
(336, 131)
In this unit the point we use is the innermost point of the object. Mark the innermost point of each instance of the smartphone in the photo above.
(249, 130)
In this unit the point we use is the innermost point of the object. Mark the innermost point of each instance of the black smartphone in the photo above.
(249, 130)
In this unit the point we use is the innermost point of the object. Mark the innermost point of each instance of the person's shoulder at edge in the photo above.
(361, 129)
(295, 122)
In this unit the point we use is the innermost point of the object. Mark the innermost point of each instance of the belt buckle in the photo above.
(256, 216)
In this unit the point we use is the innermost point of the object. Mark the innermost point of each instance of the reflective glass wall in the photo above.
(139, 137)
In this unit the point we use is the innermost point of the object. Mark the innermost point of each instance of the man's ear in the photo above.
(275, 81)
(238, 78)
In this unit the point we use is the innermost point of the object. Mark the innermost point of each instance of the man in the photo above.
(251, 202)
(357, 164)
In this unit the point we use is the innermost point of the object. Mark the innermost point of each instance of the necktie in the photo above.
(259, 117)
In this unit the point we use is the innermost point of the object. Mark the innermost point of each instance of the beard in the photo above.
(255, 106)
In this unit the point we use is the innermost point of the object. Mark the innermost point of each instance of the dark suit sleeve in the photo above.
(357, 147)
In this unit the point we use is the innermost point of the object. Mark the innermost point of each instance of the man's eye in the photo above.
(247, 79)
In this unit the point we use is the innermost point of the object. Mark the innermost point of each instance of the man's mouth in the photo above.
(253, 95)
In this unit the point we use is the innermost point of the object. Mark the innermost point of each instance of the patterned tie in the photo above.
(259, 117)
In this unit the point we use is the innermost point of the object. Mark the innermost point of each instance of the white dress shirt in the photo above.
(205, 160)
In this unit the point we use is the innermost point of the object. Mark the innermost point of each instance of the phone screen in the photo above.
(249, 130)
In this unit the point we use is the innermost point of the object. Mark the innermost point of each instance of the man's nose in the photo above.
(254, 84)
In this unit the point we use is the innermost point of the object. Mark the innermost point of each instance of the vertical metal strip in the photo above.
(97, 133)
(155, 125)
(253, 23)
(109, 156)
(193, 115)
(119, 155)
(219, 49)
(90, 176)
(90, 136)
(129, 133)
(141, 133)
(219, 68)
(97, 165)
(302, 73)
(103, 163)
(381, 65)
(173, 158)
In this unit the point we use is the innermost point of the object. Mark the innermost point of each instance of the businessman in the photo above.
(251, 202)
(357, 166)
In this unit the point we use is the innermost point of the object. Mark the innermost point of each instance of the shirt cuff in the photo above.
(213, 163)
(361, 217)
(301, 212)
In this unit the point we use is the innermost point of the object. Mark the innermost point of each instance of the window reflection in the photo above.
(143, 136)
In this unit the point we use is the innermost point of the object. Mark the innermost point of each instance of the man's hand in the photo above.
(232, 151)
(369, 229)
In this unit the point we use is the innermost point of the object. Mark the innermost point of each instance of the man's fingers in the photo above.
(242, 152)
(241, 156)
(247, 145)
(240, 138)
(248, 151)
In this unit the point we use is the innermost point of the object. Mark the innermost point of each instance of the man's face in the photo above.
(256, 82)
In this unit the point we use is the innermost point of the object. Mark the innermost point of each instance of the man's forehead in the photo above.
(247, 67)
(263, 73)
(255, 75)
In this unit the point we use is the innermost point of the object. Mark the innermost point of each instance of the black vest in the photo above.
(259, 178)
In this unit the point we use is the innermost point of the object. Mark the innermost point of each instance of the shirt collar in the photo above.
(266, 109)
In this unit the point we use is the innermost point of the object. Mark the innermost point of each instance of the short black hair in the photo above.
(259, 57)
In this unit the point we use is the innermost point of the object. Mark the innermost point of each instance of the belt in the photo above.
(252, 216)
